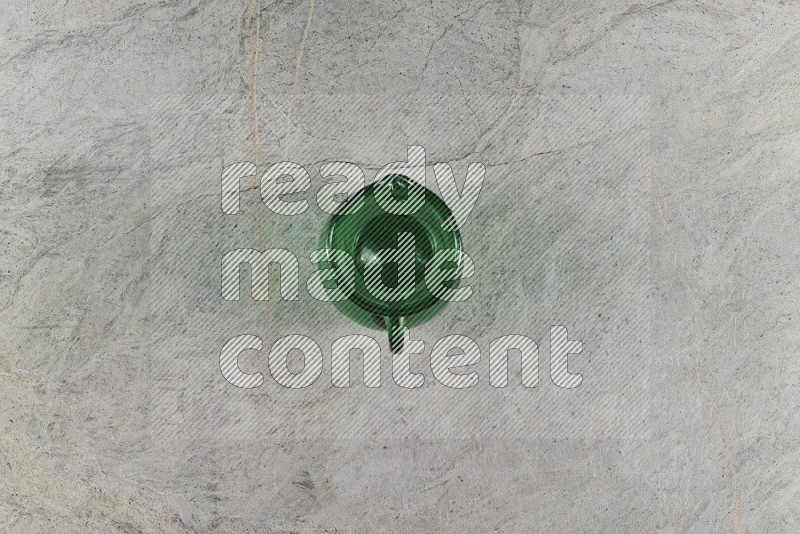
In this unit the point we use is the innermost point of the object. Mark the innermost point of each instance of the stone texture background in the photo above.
(642, 189)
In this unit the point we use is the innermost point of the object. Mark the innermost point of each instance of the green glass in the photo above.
(370, 229)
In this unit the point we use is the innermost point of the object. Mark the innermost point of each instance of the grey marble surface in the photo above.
(642, 189)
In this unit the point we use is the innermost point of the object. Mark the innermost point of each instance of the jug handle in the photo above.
(396, 327)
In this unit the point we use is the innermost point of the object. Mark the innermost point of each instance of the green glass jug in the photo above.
(363, 228)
